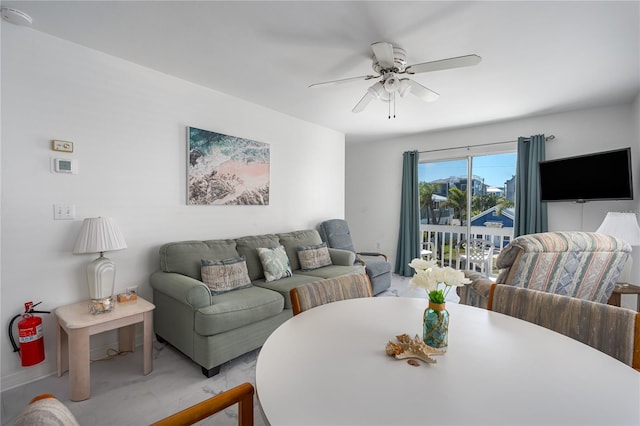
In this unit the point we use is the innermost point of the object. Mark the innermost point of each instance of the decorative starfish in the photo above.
(412, 348)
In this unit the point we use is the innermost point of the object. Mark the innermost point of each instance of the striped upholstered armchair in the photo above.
(585, 265)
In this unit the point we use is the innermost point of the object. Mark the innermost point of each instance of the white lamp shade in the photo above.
(625, 227)
(97, 235)
(621, 225)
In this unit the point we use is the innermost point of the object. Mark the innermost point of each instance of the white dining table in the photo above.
(328, 366)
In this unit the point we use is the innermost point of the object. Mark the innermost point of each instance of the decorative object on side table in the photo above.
(129, 296)
(623, 225)
(437, 281)
(97, 235)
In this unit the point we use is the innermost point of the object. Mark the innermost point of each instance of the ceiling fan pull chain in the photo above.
(394, 104)
(392, 98)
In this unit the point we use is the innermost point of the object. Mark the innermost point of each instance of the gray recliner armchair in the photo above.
(584, 265)
(335, 232)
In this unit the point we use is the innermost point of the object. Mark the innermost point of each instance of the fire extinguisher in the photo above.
(30, 335)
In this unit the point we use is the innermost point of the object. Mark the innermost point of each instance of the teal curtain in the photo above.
(531, 213)
(409, 235)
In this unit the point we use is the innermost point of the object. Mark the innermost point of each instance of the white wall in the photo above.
(374, 170)
(128, 124)
(636, 136)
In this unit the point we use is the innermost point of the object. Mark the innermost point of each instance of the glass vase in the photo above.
(436, 325)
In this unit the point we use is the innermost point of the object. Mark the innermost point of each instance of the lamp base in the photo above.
(102, 306)
(101, 274)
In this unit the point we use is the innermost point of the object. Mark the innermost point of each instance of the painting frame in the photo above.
(226, 170)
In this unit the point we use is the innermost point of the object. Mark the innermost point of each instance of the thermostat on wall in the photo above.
(64, 165)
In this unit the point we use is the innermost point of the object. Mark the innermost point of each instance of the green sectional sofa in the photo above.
(213, 328)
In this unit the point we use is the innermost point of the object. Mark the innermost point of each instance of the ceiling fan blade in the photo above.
(444, 64)
(344, 80)
(383, 52)
(360, 106)
(422, 92)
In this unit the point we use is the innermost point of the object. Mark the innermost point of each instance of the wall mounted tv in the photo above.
(598, 176)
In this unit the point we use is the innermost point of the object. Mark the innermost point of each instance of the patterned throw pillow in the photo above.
(314, 257)
(225, 275)
(275, 263)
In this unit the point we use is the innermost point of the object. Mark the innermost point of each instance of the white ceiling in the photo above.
(537, 57)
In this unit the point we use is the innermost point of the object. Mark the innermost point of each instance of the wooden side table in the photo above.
(619, 290)
(76, 325)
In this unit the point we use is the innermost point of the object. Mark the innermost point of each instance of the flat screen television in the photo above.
(598, 176)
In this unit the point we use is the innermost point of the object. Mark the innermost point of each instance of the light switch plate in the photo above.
(62, 146)
(64, 211)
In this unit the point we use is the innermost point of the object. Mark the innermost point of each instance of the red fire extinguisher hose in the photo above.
(30, 310)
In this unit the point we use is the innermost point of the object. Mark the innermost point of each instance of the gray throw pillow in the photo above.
(314, 257)
(225, 275)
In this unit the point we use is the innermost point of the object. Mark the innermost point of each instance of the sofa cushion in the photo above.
(236, 309)
(247, 246)
(292, 240)
(313, 257)
(225, 275)
(184, 257)
(333, 271)
(275, 263)
(284, 285)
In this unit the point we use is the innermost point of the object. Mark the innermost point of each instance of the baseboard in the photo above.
(29, 374)
(50, 367)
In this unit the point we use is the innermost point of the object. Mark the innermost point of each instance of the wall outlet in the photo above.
(132, 289)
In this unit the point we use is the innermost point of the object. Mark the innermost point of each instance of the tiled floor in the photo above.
(121, 395)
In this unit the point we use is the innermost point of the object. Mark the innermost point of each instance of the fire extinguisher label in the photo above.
(30, 334)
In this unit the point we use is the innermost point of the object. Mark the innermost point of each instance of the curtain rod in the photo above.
(547, 139)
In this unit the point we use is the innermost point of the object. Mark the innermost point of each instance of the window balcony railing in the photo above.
(442, 241)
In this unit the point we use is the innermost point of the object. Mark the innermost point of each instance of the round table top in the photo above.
(328, 366)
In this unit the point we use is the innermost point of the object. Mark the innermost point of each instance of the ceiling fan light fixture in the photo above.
(404, 87)
(391, 82)
(377, 90)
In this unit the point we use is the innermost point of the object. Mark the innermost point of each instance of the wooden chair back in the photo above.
(46, 409)
(609, 329)
(242, 395)
(329, 290)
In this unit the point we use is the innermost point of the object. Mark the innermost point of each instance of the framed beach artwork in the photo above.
(226, 170)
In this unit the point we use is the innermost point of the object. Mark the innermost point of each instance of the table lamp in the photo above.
(623, 226)
(97, 235)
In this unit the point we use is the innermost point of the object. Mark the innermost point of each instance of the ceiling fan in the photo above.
(389, 62)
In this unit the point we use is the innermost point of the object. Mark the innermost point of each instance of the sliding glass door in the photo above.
(466, 199)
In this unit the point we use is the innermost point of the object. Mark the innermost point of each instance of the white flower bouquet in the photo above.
(436, 280)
